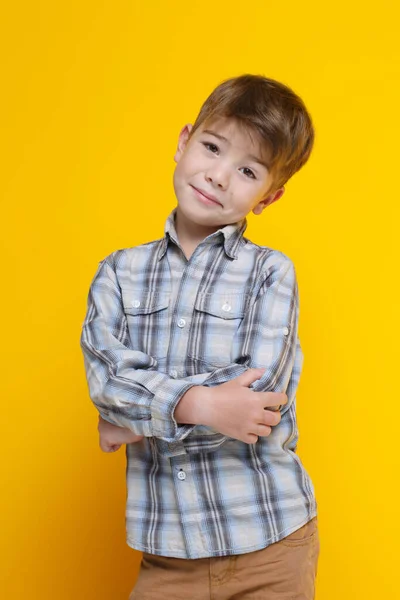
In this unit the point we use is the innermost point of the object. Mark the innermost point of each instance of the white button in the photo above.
(174, 374)
(285, 331)
(181, 323)
(135, 303)
(227, 307)
(182, 475)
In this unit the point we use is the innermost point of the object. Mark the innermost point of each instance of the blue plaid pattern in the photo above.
(157, 324)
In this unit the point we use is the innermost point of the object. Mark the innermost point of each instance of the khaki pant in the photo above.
(285, 570)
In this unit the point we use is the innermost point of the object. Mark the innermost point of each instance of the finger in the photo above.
(105, 446)
(263, 430)
(249, 377)
(270, 418)
(251, 438)
(110, 448)
(273, 399)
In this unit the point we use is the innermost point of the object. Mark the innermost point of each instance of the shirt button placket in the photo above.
(188, 505)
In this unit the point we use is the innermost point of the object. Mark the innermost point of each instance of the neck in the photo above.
(190, 235)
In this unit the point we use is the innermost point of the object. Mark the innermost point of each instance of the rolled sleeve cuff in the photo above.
(163, 423)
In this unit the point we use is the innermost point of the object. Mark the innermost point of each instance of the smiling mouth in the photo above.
(204, 197)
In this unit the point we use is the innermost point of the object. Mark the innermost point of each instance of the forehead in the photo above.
(237, 135)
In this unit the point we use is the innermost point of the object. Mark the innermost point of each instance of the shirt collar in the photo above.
(232, 234)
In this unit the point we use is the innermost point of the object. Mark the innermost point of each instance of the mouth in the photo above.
(205, 197)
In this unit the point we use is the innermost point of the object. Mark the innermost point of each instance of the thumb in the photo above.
(251, 375)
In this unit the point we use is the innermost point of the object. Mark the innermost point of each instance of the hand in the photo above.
(112, 437)
(232, 408)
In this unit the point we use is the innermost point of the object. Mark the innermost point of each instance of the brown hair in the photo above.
(273, 112)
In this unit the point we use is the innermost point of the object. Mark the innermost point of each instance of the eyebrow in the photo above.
(249, 156)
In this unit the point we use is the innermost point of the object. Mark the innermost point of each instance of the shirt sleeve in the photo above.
(123, 382)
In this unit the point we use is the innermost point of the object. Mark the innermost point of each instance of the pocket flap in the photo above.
(231, 305)
(141, 302)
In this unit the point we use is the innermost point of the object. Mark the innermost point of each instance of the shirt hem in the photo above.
(226, 551)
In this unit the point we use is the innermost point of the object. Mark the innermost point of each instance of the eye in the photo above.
(248, 172)
(211, 147)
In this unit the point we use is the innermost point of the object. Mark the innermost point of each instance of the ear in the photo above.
(182, 141)
(257, 210)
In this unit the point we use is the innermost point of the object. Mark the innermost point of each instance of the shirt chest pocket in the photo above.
(216, 320)
(147, 316)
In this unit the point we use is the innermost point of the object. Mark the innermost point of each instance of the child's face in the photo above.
(221, 174)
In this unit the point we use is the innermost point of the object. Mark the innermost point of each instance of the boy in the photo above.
(189, 342)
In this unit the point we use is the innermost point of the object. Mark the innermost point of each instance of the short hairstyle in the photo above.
(273, 112)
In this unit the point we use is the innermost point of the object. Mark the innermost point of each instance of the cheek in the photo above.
(184, 167)
(184, 173)
(179, 174)
(246, 193)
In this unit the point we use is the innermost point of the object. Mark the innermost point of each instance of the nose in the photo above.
(218, 177)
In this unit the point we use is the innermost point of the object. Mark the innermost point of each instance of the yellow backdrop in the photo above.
(93, 97)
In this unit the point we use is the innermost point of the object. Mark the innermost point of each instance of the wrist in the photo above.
(191, 408)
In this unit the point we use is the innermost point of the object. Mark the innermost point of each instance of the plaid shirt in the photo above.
(156, 325)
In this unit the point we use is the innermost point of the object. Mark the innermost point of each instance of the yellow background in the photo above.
(93, 97)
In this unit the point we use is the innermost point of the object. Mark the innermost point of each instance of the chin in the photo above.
(197, 215)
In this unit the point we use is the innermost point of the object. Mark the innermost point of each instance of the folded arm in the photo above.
(129, 392)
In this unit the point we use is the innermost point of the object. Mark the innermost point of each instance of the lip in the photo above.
(204, 197)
